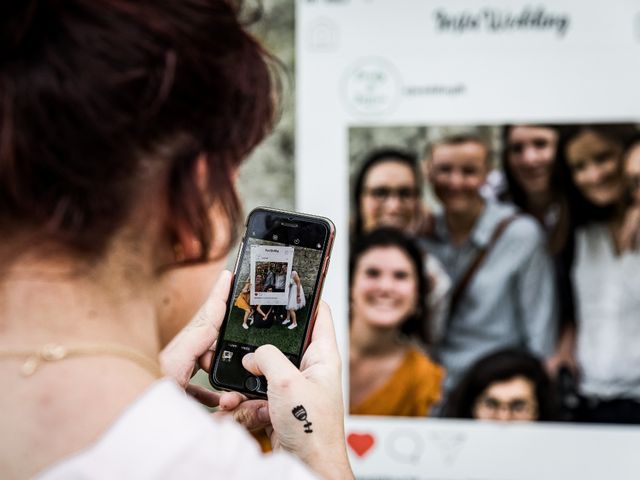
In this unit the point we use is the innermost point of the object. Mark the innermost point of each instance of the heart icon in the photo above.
(360, 443)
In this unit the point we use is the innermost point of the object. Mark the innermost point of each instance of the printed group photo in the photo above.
(271, 299)
(511, 251)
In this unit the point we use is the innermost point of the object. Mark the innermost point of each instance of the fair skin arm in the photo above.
(628, 236)
(630, 231)
(298, 284)
(316, 386)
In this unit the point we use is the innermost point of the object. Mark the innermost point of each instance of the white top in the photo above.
(166, 435)
(607, 289)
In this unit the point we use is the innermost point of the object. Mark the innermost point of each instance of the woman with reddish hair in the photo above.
(122, 125)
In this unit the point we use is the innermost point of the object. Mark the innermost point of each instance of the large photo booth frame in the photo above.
(395, 63)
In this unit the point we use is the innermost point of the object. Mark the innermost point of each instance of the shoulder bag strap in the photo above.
(458, 292)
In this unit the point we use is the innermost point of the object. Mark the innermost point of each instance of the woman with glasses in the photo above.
(507, 385)
(388, 193)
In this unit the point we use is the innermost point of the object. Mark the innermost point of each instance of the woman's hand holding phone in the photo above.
(285, 256)
(304, 406)
(192, 347)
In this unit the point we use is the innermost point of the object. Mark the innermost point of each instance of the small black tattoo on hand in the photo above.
(301, 414)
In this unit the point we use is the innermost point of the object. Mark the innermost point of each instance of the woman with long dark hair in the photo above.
(603, 270)
(528, 158)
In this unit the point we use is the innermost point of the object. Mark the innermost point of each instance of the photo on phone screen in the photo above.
(278, 277)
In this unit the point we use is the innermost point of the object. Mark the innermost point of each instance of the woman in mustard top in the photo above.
(242, 302)
(389, 370)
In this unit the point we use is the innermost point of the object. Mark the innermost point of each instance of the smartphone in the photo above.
(278, 277)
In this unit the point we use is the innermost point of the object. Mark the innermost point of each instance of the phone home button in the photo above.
(252, 384)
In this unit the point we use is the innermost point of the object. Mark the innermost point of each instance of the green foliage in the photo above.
(279, 335)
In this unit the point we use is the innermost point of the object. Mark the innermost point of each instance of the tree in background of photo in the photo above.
(267, 177)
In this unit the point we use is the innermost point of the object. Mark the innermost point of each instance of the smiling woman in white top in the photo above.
(604, 270)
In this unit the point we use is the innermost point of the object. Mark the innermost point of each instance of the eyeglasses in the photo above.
(517, 407)
(381, 194)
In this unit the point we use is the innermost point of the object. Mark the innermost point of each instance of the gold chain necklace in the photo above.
(53, 352)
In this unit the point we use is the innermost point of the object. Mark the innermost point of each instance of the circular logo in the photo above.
(372, 87)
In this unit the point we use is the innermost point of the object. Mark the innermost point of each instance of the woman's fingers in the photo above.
(267, 360)
(179, 358)
(252, 414)
(323, 329)
(231, 400)
(323, 349)
(203, 395)
(205, 360)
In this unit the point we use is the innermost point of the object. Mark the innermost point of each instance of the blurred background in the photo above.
(267, 177)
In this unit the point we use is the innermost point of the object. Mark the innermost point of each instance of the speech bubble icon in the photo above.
(405, 446)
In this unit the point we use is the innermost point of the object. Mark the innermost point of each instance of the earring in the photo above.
(178, 252)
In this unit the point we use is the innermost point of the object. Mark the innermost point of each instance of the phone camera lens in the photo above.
(296, 241)
(252, 384)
